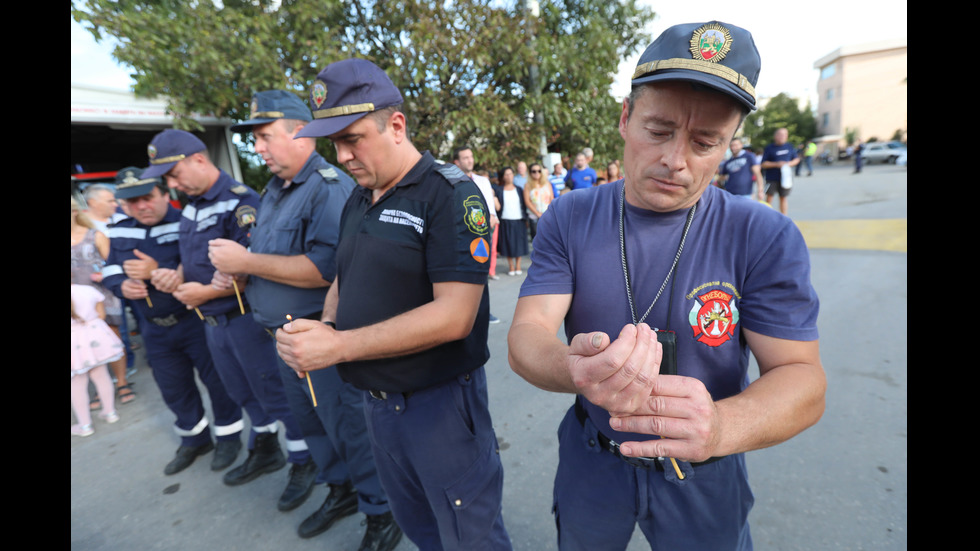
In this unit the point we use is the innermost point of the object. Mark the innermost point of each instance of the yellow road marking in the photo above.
(875, 235)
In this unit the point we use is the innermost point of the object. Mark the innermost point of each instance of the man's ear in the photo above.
(398, 126)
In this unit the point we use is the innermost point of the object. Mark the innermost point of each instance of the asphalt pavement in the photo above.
(841, 485)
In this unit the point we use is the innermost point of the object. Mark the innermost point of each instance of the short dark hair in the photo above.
(459, 150)
(382, 115)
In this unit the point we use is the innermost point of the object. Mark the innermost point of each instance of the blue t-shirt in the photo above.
(743, 264)
(580, 179)
(773, 152)
(739, 172)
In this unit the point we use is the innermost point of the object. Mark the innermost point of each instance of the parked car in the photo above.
(882, 152)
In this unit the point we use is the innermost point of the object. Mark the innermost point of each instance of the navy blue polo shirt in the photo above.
(432, 227)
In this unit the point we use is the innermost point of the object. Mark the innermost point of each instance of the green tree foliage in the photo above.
(781, 111)
(463, 67)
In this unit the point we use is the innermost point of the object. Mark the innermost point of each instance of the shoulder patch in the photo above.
(245, 215)
(452, 173)
(475, 216)
(329, 174)
(240, 189)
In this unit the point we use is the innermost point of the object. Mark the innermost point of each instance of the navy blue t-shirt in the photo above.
(743, 265)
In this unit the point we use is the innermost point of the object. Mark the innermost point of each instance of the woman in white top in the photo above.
(512, 241)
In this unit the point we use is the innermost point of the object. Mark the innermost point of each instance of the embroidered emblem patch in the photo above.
(151, 151)
(475, 216)
(480, 250)
(245, 215)
(714, 317)
(711, 42)
(318, 94)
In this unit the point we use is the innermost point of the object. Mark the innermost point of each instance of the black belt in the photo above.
(169, 321)
(232, 314)
(382, 395)
(314, 316)
(613, 447)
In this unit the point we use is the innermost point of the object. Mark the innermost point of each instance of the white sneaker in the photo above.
(82, 430)
(110, 417)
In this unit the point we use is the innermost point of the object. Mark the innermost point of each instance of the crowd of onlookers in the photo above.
(521, 195)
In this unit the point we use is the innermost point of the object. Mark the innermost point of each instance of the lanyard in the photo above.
(622, 253)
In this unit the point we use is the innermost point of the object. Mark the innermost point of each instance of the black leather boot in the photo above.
(267, 457)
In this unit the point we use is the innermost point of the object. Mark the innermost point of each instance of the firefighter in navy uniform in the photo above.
(243, 352)
(406, 319)
(290, 262)
(173, 336)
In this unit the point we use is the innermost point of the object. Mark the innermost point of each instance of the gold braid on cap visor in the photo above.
(268, 115)
(727, 73)
(170, 159)
(343, 110)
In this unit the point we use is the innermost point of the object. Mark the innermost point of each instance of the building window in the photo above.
(825, 120)
(830, 93)
(828, 71)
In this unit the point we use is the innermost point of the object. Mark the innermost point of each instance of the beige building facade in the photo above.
(864, 88)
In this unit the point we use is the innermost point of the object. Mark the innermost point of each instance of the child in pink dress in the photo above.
(93, 345)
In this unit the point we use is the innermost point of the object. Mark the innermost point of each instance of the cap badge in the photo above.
(711, 42)
(319, 93)
(255, 106)
(151, 151)
(130, 178)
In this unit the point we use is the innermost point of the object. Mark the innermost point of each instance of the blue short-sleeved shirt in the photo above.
(739, 172)
(302, 219)
(580, 178)
(773, 152)
(743, 265)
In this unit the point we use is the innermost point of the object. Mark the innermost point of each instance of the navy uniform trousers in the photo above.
(246, 359)
(599, 499)
(335, 433)
(173, 352)
(438, 460)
